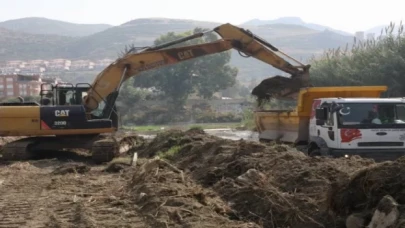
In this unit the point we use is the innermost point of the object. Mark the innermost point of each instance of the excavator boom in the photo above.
(111, 78)
(274, 87)
(252, 45)
(108, 82)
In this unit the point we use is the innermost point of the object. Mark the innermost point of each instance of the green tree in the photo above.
(205, 75)
(129, 95)
(379, 61)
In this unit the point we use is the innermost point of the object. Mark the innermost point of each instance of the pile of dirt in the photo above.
(170, 138)
(168, 198)
(362, 193)
(277, 87)
(271, 186)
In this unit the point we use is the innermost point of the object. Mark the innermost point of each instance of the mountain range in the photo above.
(42, 38)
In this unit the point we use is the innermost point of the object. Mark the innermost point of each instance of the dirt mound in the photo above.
(168, 139)
(71, 168)
(368, 186)
(271, 186)
(170, 199)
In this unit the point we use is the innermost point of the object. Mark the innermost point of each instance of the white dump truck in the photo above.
(339, 121)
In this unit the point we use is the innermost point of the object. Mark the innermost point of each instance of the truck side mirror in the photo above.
(321, 114)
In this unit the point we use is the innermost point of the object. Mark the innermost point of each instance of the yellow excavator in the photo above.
(85, 116)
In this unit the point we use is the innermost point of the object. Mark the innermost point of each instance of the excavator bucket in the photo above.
(279, 87)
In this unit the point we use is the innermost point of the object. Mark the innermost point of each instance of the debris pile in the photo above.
(168, 198)
(271, 186)
(371, 191)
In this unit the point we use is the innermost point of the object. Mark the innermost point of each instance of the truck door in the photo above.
(327, 131)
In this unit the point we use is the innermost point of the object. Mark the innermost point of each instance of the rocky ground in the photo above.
(193, 179)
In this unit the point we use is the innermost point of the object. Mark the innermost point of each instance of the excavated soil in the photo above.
(191, 179)
(32, 195)
(363, 191)
(276, 87)
(271, 186)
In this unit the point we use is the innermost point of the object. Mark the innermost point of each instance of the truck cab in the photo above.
(368, 127)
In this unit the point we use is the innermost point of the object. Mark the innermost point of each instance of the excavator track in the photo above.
(17, 150)
(110, 147)
(105, 150)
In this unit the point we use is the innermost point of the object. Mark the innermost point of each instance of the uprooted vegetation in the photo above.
(192, 179)
(256, 184)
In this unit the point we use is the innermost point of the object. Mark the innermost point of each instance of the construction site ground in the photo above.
(193, 179)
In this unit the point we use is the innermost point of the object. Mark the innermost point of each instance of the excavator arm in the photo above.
(252, 45)
(274, 87)
(106, 85)
(108, 82)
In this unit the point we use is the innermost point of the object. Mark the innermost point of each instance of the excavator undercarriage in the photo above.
(103, 147)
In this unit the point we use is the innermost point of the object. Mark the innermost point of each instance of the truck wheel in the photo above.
(314, 152)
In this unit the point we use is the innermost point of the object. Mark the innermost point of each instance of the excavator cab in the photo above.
(63, 94)
(66, 99)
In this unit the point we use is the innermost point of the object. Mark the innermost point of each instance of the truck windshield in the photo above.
(372, 115)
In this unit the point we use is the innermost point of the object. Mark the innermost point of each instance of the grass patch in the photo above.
(248, 121)
(196, 127)
(169, 153)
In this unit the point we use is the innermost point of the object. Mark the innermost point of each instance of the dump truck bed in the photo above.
(284, 125)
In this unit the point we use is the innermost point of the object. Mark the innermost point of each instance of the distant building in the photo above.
(15, 63)
(12, 85)
(103, 63)
(82, 65)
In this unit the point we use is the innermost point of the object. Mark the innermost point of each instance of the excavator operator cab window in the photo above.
(64, 97)
(70, 96)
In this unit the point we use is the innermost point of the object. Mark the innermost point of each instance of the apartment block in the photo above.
(14, 85)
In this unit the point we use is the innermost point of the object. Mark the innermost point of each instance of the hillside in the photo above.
(39, 25)
(297, 41)
(293, 21)
(140, 32)
(26, 46)
(382, 28)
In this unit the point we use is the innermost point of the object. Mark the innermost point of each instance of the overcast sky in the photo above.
(347, 15)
